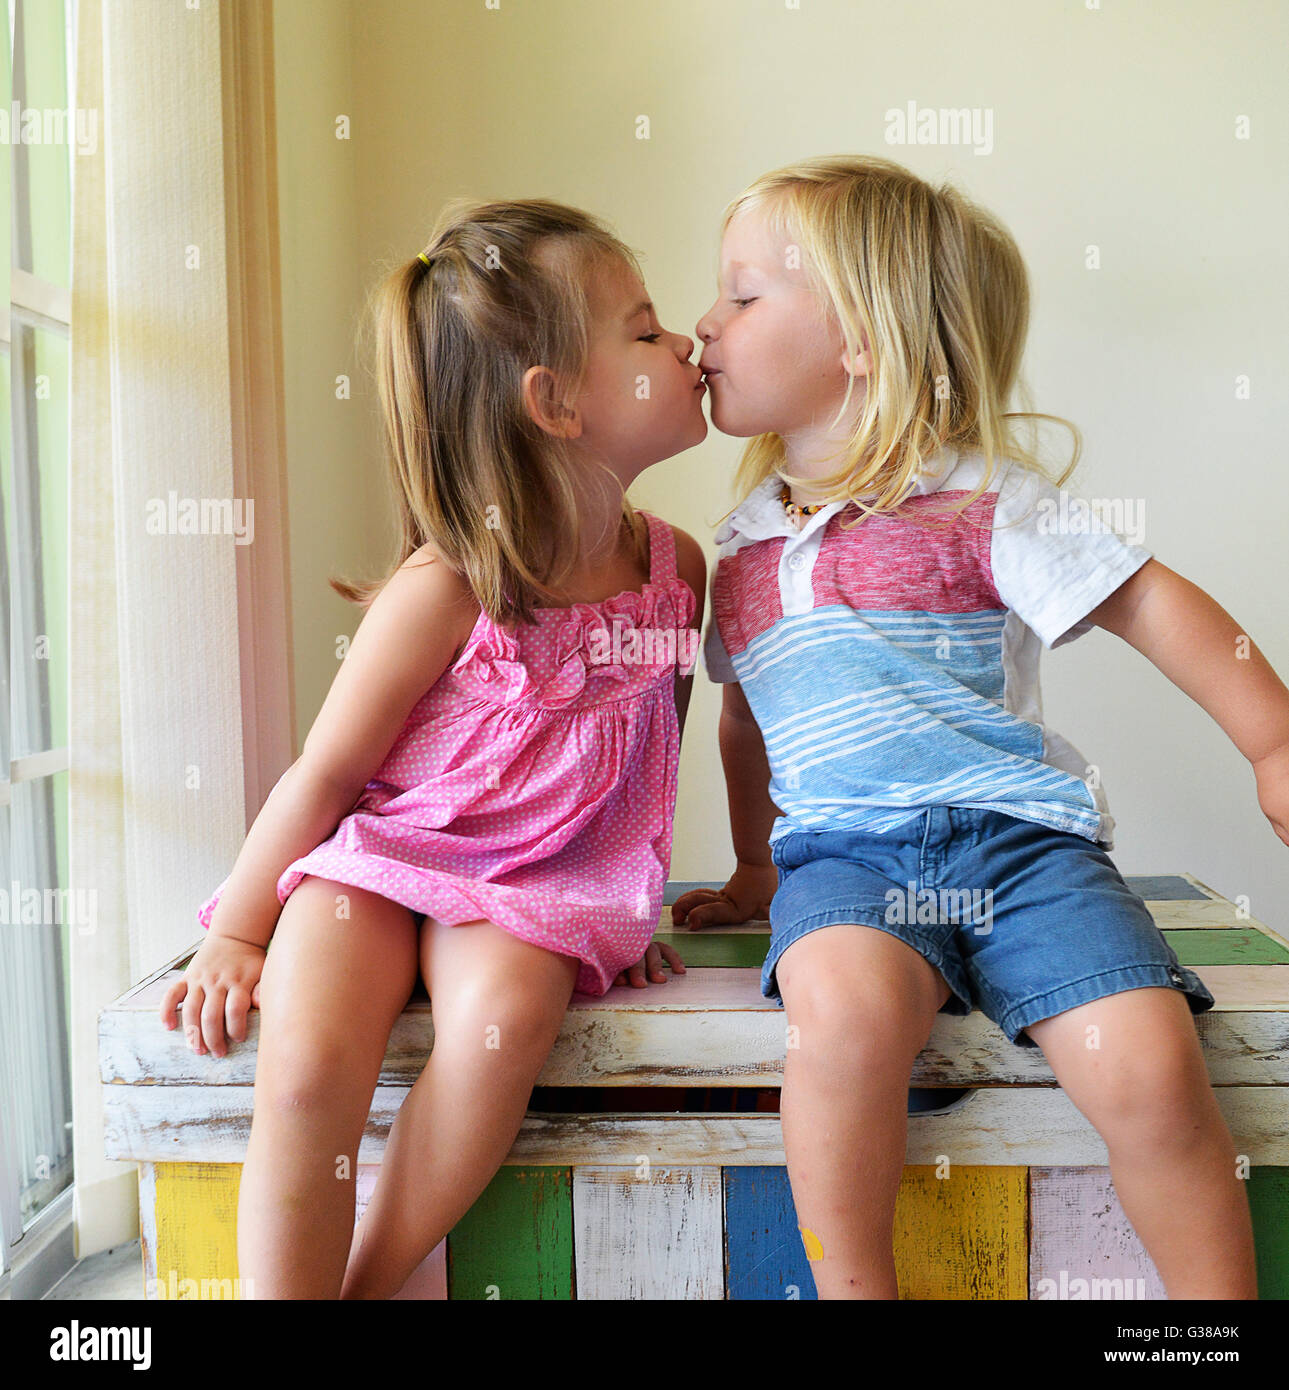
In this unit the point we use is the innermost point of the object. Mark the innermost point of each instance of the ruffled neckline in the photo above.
(491, 654)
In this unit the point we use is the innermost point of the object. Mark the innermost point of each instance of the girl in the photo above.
(878, 606)
(488, 789)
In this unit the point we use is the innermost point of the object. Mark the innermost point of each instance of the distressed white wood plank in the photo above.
(429, 1280)
(1082, 1246)
(1005, 1124)
(1235, 918)
(148, 1227)
(653, 1236)
(703, 1040)
(1188, 915)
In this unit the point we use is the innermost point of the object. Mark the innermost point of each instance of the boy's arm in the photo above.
(747, 894)
(747, 780)
(1202, 650)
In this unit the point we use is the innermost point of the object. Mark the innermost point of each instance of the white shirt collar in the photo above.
(760, 515)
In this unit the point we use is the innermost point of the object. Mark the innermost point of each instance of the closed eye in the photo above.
(743, 302)
(650, 338)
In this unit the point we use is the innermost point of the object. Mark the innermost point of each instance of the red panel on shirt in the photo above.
(886, 562)
(745, 593)
(898, 564)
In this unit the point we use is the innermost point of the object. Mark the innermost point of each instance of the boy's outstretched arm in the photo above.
(1203, 651)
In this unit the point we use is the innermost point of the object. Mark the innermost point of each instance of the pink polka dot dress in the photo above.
(534, 784)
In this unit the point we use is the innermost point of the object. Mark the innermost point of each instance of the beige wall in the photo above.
(1113, 127)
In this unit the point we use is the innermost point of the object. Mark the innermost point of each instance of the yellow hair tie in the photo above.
(423, 258)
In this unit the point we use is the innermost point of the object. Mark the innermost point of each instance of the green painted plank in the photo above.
(1225, 946)
(718, 948)
(1155, 887)
(1269, 1203)
(517, 1239)
(1206, 946)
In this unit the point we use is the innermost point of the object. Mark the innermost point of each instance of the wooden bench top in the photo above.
(712, 1027)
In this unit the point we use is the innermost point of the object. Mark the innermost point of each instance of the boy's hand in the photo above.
(1272, 773)
(650, 963)
(745, 898)
(219, 988)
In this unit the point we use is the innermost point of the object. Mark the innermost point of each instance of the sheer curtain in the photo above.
(171, 394)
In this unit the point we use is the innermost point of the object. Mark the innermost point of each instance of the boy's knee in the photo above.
(1154, 1096)
(875, 983)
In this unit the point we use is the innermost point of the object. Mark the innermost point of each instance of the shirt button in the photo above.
(797, 561)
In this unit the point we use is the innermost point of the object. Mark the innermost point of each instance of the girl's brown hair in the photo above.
(505, 289)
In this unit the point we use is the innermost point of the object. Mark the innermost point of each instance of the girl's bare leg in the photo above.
(860, 1003)
(331, 990)
(498, 1003)
(1132, 1064)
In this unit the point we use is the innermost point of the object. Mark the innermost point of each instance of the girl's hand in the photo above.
(651, 964)
(1272, 773)
(219, 988)
(745, 898)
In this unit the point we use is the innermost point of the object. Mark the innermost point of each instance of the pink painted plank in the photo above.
(1243, 986)
(1081, 1244)
(718, 987)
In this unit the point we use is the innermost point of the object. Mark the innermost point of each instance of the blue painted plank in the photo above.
(675, 887)
(764, 1256)
(1163, 887)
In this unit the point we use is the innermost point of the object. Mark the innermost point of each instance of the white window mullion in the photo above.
(45, 301)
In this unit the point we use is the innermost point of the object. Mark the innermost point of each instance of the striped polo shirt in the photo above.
(893, 666)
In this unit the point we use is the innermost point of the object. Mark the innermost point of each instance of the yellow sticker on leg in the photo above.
(814, 1247)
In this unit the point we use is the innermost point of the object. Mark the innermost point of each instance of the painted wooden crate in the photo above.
(678, 1189)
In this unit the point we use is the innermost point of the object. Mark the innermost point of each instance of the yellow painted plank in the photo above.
(196, 1230)
(964, 1235)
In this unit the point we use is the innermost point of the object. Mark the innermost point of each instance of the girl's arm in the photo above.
(1202, 650)
(752, 815)
(407, 637)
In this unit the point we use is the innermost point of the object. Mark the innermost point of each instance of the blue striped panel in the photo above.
(920, 722)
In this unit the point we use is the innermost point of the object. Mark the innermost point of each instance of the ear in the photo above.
(862, 363)
(542, 402)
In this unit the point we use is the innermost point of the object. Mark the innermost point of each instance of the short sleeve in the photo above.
(715, 658)
(1054, 556)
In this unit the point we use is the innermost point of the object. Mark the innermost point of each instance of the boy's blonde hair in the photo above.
(938, 288)
(505, 289)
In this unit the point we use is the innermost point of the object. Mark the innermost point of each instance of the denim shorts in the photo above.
(1022, 921)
